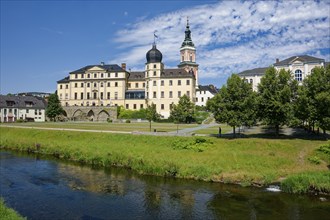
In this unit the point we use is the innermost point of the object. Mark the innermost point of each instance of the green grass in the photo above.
(129, 127)
(215, 130)
(8, 213)
(245, 160)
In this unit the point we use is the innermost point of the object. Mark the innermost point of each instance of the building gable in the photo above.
(95, 68)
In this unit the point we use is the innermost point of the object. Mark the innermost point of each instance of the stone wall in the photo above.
(90, 113)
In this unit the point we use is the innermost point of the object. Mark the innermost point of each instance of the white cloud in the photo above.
(232, 36)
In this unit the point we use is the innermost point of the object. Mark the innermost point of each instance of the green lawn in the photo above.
(215, 130)
(136, 126)
(244, 160)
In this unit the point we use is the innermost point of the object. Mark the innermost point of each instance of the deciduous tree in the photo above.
(151, 114)
(54, 107)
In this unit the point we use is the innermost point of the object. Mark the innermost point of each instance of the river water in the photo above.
(40, 188)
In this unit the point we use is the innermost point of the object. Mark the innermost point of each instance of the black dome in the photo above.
(154, 55)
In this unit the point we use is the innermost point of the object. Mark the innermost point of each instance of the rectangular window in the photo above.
(144, 85)
(88, 85)
(109, 75)
(95, 95)
(155, 96)
(88, 96)
(155, 66)
(66, 86)
(162, 106)
(75, 95)
(171, 82)
(36, 112)
(154, 73)
(129, 85)
(188, 93)
(188, 82)
(162, 94)
(162, 83)
(82, 85)
(154, 83)
(116, 74)
(171, 94)
(108, 95)
(82, 95)
(101, 75)
(82, 75)
(108, 84)
(134, 106)
(136, 85)
(179, 94)
(202, 99)
(66, 96)
(60, 86)
(179, 82)
(101, 85)
(141, 105)
(251, 81)
(76, 85)
(76, 76)
(88, 75)
(27, 111)
(116, 84)
(101, 94)
(127, 106)
(116, 95)
(95, 75)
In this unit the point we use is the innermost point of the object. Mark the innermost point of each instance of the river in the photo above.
(45, 188)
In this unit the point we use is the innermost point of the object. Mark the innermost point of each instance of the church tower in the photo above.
(188, 55)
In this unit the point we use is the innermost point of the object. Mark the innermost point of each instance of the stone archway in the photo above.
(90, 115)
(78, 115)
(103, 116)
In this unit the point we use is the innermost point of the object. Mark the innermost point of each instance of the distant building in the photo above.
(204, 93)
(299, 66)
(36, 94)
(27, 108)
(113, 85)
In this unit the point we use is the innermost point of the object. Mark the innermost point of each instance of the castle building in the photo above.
(299, 66)
(113, 85)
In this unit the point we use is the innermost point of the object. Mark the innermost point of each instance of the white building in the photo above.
(299, 66)
(204, 93)
(27, 108)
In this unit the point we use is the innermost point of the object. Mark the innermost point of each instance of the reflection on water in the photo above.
(48, 189)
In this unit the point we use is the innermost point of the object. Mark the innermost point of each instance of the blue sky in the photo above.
(42, 41)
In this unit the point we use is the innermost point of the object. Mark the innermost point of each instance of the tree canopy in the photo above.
(234, 104)
(184, 111)
(276, 93)
(54, 107)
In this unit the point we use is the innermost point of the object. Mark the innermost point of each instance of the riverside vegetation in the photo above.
(8, 213)
(246, 161)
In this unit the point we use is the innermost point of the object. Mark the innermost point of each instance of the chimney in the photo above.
(277, 60)
(102, 63)
(123, 66)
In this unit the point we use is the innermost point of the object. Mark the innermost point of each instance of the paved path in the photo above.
(190, 130)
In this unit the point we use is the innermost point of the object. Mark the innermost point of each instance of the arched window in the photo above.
(298, 75)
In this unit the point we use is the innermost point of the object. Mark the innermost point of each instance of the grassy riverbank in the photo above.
(8, 213)
(246, 161)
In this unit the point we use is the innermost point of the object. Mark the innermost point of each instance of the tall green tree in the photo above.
(234, 104)
(54, 107)
(151, 114)
(184, 111)
(276, 93)
(313, 103)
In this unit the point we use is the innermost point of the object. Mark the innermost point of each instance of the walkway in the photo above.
(190, 130)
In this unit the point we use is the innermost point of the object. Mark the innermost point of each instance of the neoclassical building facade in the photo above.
(299, 66)
(113, 85)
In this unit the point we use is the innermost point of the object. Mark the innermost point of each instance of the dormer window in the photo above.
(10, 103)
(28, 104)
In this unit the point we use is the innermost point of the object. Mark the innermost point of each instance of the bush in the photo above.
(109, 120)
(314, 160)
(198, 144)
(19, 120)
(324, 149)
(128, 121)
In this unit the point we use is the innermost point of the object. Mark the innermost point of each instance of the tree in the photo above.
(151, 114)
(276, 93)
(54, 107)
(313, 103)
(184, 111)
(234, 104)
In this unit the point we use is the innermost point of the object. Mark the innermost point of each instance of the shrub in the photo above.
(324, 149)
(19, 120)
(198, 144)
(128, 121)
(109, 120)
(314, 160)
